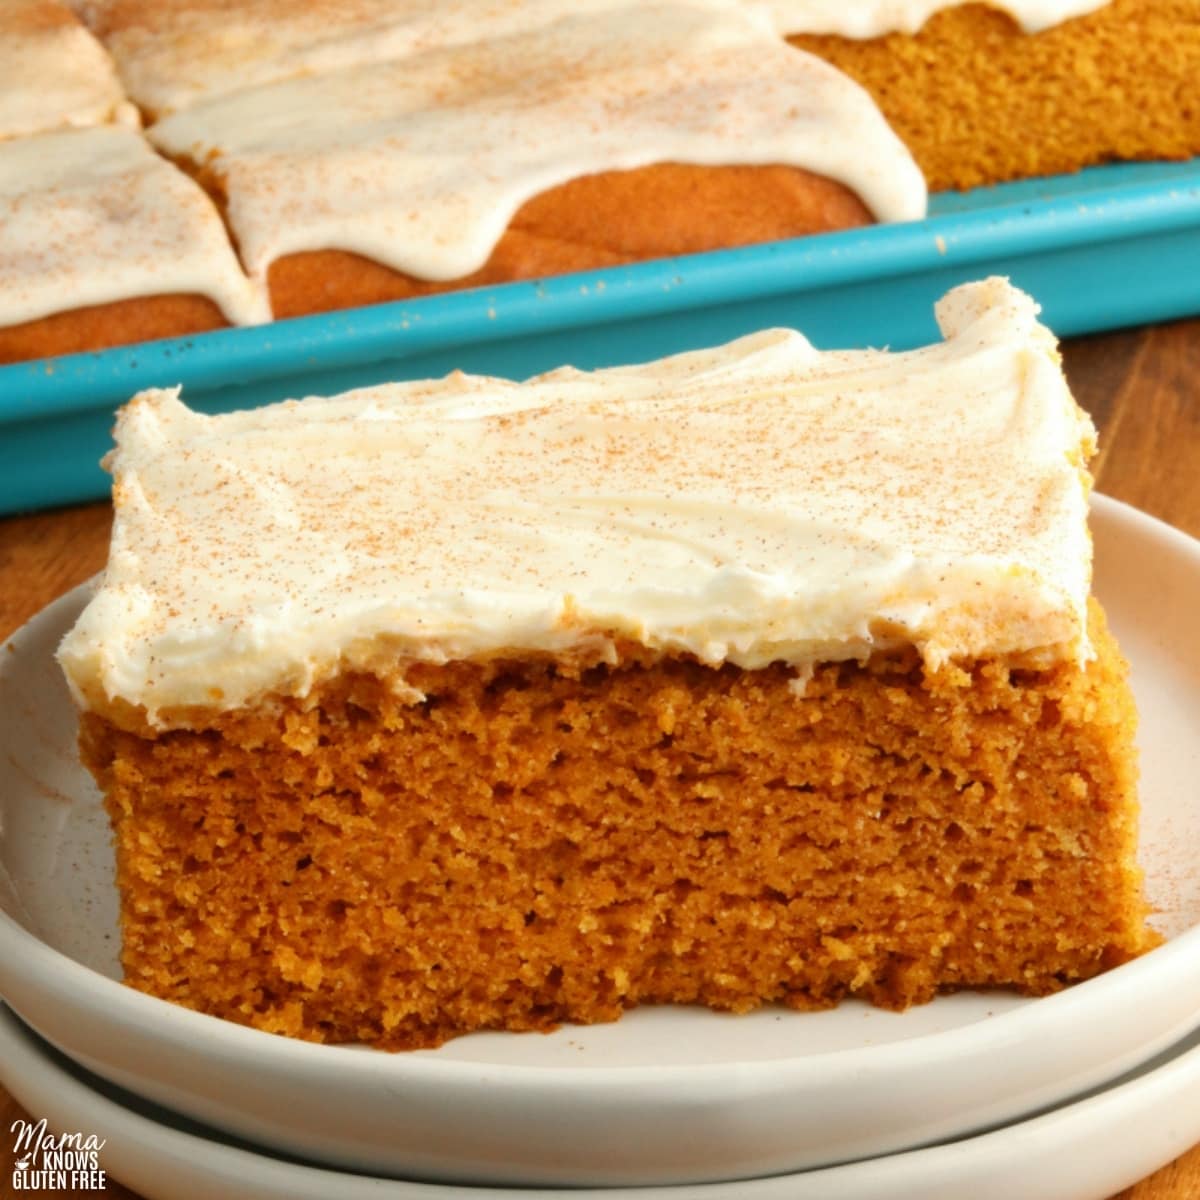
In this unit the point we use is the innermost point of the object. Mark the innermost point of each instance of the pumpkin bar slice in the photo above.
(103, 243)
(753, 675)
(602, 137)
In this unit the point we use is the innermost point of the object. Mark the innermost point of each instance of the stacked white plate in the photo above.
(1071, 1096)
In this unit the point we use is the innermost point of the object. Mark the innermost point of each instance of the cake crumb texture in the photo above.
(977, 101)
(535, 843)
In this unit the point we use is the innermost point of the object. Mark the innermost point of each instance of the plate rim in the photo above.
(1181, 1059)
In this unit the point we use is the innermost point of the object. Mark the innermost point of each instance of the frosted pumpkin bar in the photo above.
(103, 243)
(606, 135)
(752, 675)
(55, 74)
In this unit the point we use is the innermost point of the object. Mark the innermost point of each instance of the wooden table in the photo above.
(1141, 386)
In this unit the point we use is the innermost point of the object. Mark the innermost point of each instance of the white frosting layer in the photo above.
(754, 503)
(173, 55)
(89, 216)
(53, 73)
(420, 164)
(874, 18)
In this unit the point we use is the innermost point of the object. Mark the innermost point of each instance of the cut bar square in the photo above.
(56, 74)
(103, 243)
(569, 140)
(753, 675)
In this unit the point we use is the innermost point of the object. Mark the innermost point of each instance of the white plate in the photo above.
(1088, 1150)
(664, 1096)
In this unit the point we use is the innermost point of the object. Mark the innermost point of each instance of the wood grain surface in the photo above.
(1141, 386)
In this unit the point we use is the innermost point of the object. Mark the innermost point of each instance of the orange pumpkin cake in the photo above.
(753, 675)
(983, 93)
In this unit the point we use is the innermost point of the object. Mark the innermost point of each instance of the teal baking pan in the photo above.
(1111, 246)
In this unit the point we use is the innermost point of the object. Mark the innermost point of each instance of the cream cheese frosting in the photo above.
(759, 502)
(54, 72)
(875, 18)
(420, 164)
(174, 55)
(89, 216)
